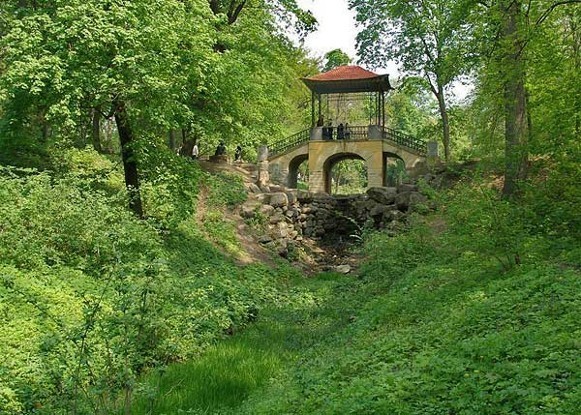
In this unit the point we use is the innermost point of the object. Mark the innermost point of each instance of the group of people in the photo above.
(343, 131)
(220, 151)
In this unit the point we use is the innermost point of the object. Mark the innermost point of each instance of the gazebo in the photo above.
(349, 94)
(349, 79)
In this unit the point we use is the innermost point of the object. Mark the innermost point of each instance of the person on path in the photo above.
(195, 151)
(238, 153)
(221, 149)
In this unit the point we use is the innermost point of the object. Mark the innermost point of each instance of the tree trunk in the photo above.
(96, 130)
(127, 156)
(445, 122)
(172, 139)
(515, 113)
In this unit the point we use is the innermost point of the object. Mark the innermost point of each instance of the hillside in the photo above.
(471, 308)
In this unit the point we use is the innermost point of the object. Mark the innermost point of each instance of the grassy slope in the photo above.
(438, 322)
(90, 296)
(434, 324)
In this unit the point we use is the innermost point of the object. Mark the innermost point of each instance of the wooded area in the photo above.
(120, 265)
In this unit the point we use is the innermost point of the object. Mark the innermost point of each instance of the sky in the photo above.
(336, 28)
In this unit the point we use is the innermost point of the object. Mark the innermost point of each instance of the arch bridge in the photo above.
(324, 145)
(373, 144)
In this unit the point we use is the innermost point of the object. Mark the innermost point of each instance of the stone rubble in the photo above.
(289, 215)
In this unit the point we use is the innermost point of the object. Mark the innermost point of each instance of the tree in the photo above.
(125, 58)
(427, 38)
(509, 38)
(335, 58)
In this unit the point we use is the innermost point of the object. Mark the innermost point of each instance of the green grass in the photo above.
(230, 372)
(223, 377)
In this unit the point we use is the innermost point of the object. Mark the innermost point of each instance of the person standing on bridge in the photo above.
(330, 130)
(340, 132)
(347, 131)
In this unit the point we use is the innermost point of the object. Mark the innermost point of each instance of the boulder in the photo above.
(265, 239)
(380, 210)
(252, 188)
(407, 187)
(342, 269)
(291, 196)
(276, 218)
(383, 195)
(405, 200)
(278, 199)
(276, 188)
(267, 210)
(261, 197)
(247, 211)
(304, 196)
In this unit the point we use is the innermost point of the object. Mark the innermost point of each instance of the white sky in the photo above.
(336, 28)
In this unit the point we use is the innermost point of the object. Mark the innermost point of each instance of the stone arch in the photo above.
(332, 161)
(387, 157)
(293, 170)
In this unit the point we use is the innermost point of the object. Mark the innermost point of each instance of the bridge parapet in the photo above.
(371, 132)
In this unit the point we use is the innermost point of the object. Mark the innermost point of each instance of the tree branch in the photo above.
(547, 12)
(233, 12)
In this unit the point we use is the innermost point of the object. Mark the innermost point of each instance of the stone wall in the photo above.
(289, 216)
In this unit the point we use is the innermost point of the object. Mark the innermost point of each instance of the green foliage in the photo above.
(349, 177)
(435, 325)
(91, 297)
(335, 58)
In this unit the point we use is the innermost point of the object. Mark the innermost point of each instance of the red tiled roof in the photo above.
(344, 73)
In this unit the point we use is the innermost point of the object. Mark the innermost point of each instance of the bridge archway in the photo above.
(335, 159)
(293, 170)
(394, 167)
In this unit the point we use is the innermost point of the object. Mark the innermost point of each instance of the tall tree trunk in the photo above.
(512, 67)
(172, 139)
(96, 130)
(127, 156)
(445, 122)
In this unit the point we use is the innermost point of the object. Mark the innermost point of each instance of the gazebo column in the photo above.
(382, 108)
(313, 123)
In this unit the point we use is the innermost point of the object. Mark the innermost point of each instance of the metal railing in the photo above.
(351, 133)
(287, 143)
(405, 140)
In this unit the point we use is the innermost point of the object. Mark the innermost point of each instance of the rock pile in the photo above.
(290, 215)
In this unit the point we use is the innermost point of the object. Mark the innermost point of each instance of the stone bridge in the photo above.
(373, 144)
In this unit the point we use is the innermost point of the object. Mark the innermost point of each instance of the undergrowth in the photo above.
(91, 297)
